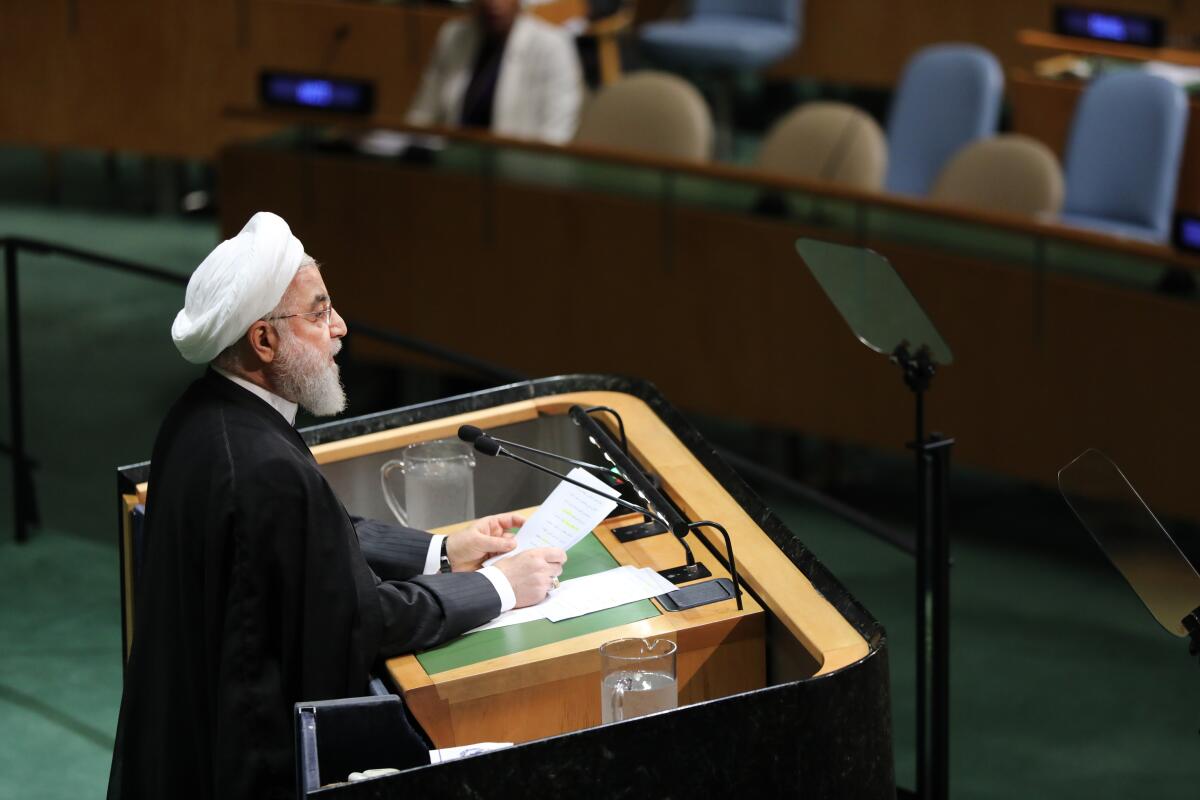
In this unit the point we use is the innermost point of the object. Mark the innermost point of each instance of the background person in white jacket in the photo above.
(502, 70)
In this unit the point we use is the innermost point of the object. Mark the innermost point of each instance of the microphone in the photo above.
(471, 434)
(491, 447)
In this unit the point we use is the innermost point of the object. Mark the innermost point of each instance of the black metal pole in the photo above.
(938, 453)
(925, 764)
(16, 412)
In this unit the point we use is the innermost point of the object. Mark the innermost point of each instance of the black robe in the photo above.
(256, 595)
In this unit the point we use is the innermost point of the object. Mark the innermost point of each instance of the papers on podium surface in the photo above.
(567, 515)
(583, 595)
(614, 587)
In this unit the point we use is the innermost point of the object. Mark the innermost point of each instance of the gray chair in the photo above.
(826, 141)
(649, 112)
(1009, 173)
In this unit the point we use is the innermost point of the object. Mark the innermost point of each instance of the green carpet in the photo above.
(60, 666)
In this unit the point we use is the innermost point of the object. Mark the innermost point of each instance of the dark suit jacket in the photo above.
(255, 595)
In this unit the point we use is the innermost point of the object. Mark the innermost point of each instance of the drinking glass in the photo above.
(639, 678)
(438, 480)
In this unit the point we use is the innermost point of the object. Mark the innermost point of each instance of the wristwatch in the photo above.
(444, 564)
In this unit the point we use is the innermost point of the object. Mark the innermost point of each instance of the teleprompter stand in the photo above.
(884, 316)
(933, 584)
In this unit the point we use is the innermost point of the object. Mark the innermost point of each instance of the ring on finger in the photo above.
(554, 583)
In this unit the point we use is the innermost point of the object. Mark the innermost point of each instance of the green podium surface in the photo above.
(586, 558)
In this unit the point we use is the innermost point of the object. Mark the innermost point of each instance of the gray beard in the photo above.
(305, 376)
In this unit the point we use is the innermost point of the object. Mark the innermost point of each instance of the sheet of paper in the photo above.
(609, 589)
(465, 751)
(579, 596)
(566, 516)
(515, 616)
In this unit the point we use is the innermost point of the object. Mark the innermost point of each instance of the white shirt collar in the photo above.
(285, 407)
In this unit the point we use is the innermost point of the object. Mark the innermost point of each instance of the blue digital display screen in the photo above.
(1109, 26)
(293, 90)
(1187, 232)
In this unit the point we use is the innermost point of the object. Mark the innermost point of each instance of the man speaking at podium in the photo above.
(258, 590)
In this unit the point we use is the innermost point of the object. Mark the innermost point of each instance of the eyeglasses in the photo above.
(314, 316)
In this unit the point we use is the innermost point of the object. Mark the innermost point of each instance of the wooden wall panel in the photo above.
(1119, 375)
(158, 76)
(718, 310)
(35, 39)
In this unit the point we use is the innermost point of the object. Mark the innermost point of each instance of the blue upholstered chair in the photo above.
(723, 38)
(1123, 154)
(730, 35)
(949, 95)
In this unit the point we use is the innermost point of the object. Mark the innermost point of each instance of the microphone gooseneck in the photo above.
(490, 447)
(471, 434)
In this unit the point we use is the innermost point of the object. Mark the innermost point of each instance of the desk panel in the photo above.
(714, 305)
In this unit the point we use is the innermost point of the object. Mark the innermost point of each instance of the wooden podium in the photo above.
(789, 694)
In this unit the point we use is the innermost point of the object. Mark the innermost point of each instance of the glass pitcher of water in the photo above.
(639, 678)
(438, 480)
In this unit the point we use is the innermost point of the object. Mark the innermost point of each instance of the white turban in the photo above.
(240, 281)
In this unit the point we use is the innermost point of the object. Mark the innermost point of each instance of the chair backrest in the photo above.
(649, 112)
(826, 141)
(1010, 173)
(1124, 149)
(785, 12)
(949, 95)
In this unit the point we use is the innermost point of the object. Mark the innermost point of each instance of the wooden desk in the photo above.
(554, 688)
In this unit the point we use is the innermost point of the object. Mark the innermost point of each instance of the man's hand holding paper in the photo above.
(532, 573)
(568, 514)
(483, 539)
